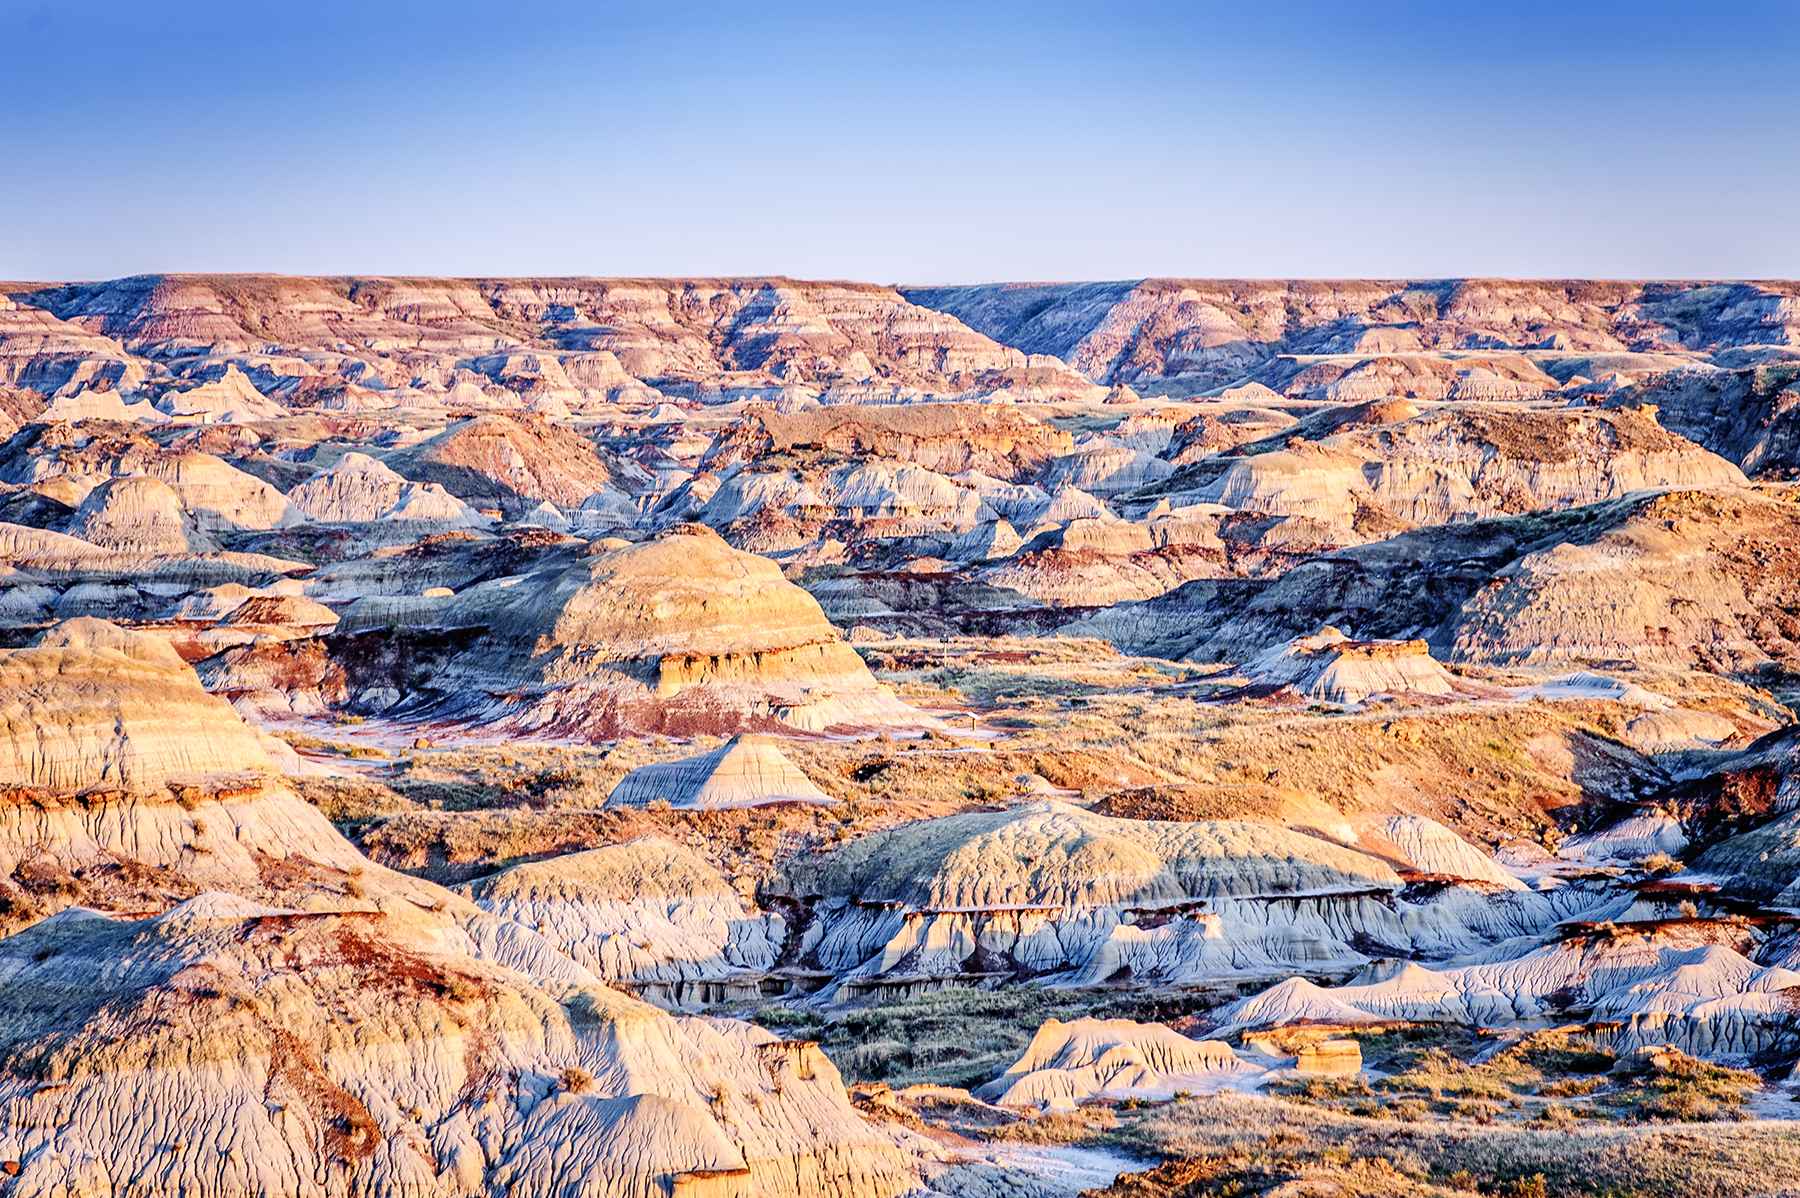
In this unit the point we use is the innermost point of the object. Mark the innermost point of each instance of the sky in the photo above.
(917, 142)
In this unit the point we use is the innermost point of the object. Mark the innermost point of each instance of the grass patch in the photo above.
(1254, 1145)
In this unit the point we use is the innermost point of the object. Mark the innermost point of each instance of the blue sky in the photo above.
(919, 142)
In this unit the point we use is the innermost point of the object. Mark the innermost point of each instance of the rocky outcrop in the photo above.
(343, 342)
(1052, 892)
(511, 462)
(1105, 470)
(1217, 331)
(230, 1048)
(1330, 667)
(359, 489)
(1052, 854)
(1746, 413)
(1083, 1060)
(49, 355)
(947, 438)
(649, 914)
(1684, 985)
(1685, 578)
(91, 705)
(1462, 464)
(138, 514)
(229, 399)
(679, 633)
(68, 461)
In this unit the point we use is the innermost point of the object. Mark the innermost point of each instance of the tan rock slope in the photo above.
(359, 489)
(379, 1033)
(508, 461)
(230, 1048)
(91, 705)
(946, 438)
(1082, 1060)
(1331, 667)
(1684, 985)
(1051, 892)
(1457, 464)
(649, 915)
(1687, 578)
(679, 633)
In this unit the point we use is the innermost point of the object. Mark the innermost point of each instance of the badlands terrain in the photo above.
(723, 737)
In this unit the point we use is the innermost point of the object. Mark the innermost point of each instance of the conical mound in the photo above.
(746, 771)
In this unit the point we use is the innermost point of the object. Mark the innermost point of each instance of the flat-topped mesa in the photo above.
(681, 633)
(1055, 892)
(1331, 667)
(338, 340)
(746, 771)
(1209, 332)
(707, 337)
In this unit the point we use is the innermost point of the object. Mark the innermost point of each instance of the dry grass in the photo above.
(1058, 1127)
(1258, 1144)
(1140, 738)
(1559, 1076)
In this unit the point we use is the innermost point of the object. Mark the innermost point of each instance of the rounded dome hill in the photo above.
(680, 634)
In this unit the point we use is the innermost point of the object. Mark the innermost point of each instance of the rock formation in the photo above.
(510, 462)
(1330, 667)
(92, 705)
(1051, 891)
(1681, 578)
(647, 914)
(1215, 331)
(1070, 1063)
(344, 1052)
(359, 489)
(1679, 985)
(681, 633)
(745, 771)
(1248, 653)
(138, 514)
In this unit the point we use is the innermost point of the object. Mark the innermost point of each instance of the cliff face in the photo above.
(1699, 579)
(1153, 329)
(294, 335)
